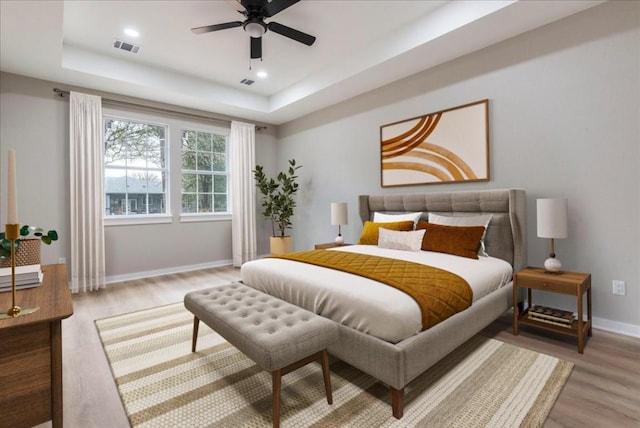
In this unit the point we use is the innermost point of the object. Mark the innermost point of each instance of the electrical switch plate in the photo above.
(618, 287)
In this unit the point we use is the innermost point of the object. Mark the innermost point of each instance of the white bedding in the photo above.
(366, 305)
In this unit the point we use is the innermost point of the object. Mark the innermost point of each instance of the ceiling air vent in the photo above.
(125, 46)
(247, 82)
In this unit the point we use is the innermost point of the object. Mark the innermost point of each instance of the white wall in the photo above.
(36, 126)
(564, 122)
(35, 122)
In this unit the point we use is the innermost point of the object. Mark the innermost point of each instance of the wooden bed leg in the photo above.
(194, 339)
(397, 402)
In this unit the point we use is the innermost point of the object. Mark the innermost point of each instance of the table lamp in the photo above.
(339, 218)
(552, 223)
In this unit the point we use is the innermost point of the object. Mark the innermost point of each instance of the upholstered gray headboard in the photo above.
(506, 235)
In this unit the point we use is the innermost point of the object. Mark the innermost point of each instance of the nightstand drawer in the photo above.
(546, 285)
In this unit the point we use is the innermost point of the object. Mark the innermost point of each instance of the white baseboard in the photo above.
(616, 327)
(177, 269)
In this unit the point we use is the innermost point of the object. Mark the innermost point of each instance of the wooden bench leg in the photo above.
(194, 339)
(276, 377)
(326, 373)
(397, 402)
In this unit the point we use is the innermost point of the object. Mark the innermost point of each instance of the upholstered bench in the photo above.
(278, 336)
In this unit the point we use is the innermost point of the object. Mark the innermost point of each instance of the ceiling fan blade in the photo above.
(236, 5)
(289, 32)
(256, 47)
(275, 6)
(216, 27)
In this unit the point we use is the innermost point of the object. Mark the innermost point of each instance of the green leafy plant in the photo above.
(278, 196)
(26, 232)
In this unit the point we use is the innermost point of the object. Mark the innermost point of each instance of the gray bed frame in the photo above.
(398, 364)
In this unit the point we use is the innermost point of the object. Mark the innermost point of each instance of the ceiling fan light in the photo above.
(255, 29)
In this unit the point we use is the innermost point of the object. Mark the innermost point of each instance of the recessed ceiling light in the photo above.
(131, 32)
(262, 74)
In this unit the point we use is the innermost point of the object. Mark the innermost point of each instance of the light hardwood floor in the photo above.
(603, 390)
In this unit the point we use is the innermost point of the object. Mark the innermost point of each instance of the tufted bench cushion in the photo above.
(271, 332)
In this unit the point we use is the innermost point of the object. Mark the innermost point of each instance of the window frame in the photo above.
(206, 216)
(153, 218)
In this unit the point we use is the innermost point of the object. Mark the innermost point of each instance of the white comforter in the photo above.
(366, 305)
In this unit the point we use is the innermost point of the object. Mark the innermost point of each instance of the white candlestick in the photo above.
(12, 189)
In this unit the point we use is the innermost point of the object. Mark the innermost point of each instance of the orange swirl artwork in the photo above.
(449, 146)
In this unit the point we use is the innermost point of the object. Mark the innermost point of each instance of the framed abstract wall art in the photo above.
(449, 146)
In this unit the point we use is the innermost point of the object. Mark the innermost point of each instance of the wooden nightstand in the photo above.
(572, 283)
(329, 245)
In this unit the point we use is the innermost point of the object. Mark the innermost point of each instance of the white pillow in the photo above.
(396, 240)
(389, 218)
(476, 220)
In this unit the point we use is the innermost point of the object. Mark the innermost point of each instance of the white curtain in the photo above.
(87, 195)
(243, 192)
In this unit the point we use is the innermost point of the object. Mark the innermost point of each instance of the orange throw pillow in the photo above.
(457, 240)
(370, 231)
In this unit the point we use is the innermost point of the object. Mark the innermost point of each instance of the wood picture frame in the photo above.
(448, 146)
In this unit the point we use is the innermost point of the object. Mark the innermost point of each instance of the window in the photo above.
(135, 168)
(205, 172)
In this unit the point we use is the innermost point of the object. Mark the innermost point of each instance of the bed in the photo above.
(397, 360)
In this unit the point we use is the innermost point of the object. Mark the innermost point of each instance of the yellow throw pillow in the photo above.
(370, 231)
(457, 240)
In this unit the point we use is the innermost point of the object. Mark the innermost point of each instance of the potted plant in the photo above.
(278, 202)
(27, 246)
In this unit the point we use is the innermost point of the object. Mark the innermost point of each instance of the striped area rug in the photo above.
(484, 383)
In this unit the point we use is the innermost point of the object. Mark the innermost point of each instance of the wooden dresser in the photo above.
(31, 352)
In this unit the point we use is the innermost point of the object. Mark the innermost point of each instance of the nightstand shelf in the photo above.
(523, 318)
(571, 283)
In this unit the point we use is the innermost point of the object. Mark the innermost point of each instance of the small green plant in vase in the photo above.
(27, 233)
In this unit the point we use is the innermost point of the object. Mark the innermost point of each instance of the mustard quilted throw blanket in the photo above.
(439, 293)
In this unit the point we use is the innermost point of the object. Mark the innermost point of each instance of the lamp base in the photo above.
(339, 240)
(552, 265)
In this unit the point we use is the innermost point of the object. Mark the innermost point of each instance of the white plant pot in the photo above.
(280, 245)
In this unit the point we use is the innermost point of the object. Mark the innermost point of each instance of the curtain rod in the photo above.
(61, 93)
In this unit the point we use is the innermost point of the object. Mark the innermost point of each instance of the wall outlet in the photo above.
(62, 260)
(618, 287)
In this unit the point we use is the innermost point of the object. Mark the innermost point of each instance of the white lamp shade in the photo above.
(552, 218)
(338, 213)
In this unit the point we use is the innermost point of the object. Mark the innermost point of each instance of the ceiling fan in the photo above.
(256, 11)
